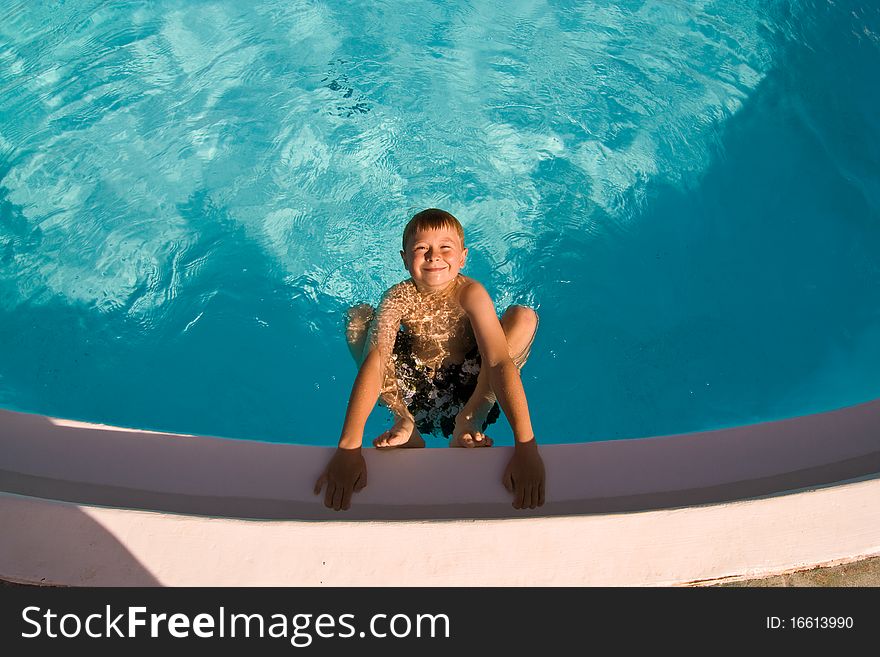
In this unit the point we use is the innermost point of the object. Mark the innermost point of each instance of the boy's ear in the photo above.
(464, 253)
(403, 257)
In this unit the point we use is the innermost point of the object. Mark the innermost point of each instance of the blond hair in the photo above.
(432, 219)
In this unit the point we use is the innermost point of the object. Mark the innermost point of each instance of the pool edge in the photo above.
(661, 495)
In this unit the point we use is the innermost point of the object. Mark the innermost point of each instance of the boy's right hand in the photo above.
(525, 476)
(345, 473)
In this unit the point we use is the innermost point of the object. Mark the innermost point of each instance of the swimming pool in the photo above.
(191, 196)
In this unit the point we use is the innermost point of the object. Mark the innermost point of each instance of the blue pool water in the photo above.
(192, 193)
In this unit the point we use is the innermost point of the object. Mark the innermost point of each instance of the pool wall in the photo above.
(88, 504)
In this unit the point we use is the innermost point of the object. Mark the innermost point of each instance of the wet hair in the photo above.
(432, 219)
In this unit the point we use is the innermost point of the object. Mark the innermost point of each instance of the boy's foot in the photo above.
(402, 434)
(468, 433)
(469, 422)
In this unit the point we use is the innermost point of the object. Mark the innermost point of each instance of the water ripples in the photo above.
(143, 143)
(293, 110)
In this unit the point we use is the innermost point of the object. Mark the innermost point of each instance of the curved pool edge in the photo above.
(97, 505)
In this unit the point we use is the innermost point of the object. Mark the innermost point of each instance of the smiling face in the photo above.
(434, 257)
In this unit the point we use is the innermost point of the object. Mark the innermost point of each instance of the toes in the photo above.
(475, 439)
(482, 440)
(391, 439)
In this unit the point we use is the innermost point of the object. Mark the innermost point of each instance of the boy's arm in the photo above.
(525, 473)
(347, 471)
(376, 375)
(503, 374)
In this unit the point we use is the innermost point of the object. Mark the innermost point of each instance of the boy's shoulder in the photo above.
(470, 288)
(468, 282)
(406, 290)
(400, 289)
(398, 295)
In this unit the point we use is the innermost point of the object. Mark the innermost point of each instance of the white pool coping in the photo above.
(93, 505)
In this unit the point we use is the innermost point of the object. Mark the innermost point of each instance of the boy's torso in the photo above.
(440, 328)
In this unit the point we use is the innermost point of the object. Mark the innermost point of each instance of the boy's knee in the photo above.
(360, 315)
(522, 315)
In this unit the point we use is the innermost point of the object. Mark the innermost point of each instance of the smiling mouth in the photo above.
(430, 270)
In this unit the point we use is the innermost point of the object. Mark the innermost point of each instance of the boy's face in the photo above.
(434, 258)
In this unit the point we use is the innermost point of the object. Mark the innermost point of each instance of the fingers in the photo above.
(335, 496)
(346, 498)
(345, 474)
(361, 482)
(338, 497)
(328, 496)
(507, 479)
(528, 496)
(338, 492)
(519, 497)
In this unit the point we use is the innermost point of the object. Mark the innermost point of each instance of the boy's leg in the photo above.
(356, 329)
(520, 325)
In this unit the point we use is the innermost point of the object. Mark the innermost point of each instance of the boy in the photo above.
(444, 370)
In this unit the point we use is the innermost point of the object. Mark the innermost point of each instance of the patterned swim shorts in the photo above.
(434, 398)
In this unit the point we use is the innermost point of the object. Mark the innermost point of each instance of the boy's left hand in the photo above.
(524, 476)
(346, 473)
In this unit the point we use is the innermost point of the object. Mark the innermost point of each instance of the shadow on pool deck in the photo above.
(44, 542)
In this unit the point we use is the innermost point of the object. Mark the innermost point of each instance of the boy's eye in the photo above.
(425, 248)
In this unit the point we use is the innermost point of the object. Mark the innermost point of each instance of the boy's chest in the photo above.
(441, 322)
